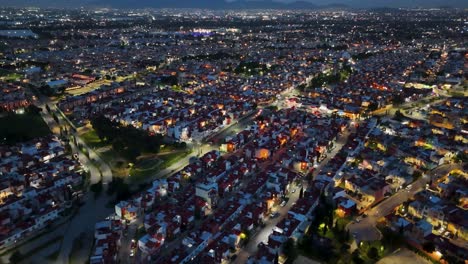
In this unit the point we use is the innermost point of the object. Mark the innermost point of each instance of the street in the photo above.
(90, 162)
(403, 256)
(90, 212)
(366, 229)
(95, 210)
(262, 234)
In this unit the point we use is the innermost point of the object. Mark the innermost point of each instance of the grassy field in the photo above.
(88, 88)
(9, 76)
(16, 128)
(117, 164)
(146, 166)
(96, 84)
(143, 169)
(92, 140)
(149, 167)
(172, 158)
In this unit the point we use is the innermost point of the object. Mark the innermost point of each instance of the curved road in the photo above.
(366, 229)
(94, 209)
(95, 164)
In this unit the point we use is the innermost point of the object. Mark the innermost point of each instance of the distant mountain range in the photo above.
(235, 4)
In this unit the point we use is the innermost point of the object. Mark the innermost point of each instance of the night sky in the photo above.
(217, 3)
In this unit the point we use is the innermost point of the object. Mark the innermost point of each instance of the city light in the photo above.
(233, 131)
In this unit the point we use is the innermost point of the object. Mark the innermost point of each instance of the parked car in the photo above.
(274, 215)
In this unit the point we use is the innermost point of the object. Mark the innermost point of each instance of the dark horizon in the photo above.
(236, 4)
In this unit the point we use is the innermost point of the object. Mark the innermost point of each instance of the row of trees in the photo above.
(120, 188)
(211, 57)
(252, 67)
(363, 55)
(15, 128)
(313, 243)
(169, 80)
(127, 141)
(328, 78)
(117, 186)
(316, 241)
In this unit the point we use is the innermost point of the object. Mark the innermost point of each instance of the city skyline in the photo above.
(220, 4)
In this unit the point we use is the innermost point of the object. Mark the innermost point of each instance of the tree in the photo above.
(398, 115)
(373, 253)
(356, 257)
(16, 257)
(197, 213)
(401, 230)
(128, 141)
(54, 116)
(32, 109)
(88, 71)
(416, 175)
(452, 259)
(96, 188)
(276, 261)
(120, 188)
(123, 192)
(344, 248)
(182, 145)
(289, 250)
(325, 229)
(373, 106)
(390, 239)
(170, 80)
(428, 247)
(131, 153)
(46, 90)
(245, 236)
(118, 145)
(398, 99)
(461, 156)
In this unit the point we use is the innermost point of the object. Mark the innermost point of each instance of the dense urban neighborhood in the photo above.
(331, 135)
